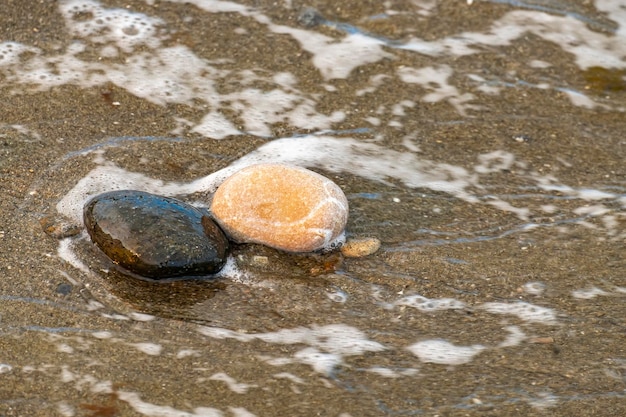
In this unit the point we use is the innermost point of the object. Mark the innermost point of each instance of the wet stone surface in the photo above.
(282, 206)
(153, 236)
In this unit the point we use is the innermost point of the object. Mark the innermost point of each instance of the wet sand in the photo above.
(99, 343)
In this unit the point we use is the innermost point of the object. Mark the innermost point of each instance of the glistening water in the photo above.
(482, 142)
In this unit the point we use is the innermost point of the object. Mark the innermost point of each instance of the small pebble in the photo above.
(360, 247)
(282, 206)
(153, 236)
(58, 228)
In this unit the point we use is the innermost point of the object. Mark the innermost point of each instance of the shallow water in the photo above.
(483, 144)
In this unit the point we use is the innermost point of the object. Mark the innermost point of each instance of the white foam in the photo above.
(102, 334)
(321, 362)
(10, 52)
(161, 75)
(231, 271)
(443, 352)
(219, 333)
(66, 252)
(214, 125)
(141, 316)
(217, 6)
(124, 28)
(327, 345)
(534, 288)
(153, 410)
(588, 293)
(579, 99)
(391, 373)
(374, 82)
(525, 311)
(335, 58)
(293, 378)
(260, 109)
(514, 338)
(429, 305)
(88, 381)
(65, 409)
(184, 353)
(496, 161)
(152, 349)
(435, 80)
(590, 48)
(334, 338)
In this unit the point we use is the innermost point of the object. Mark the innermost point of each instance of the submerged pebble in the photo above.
(360, 247)
(153, 236)
(282, 206)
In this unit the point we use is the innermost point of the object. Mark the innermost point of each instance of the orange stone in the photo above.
(282, 206)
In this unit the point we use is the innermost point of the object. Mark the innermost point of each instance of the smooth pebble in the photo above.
(282, 206)
(153, 236)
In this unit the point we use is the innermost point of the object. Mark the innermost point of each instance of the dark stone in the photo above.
(64, 288)
(153, 236)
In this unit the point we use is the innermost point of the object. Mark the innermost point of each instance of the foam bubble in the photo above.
(102, 335)
(429, 305)
(151, 349)
(126, 29)
(525, 311)
(183, 353)
(443, 352)
(141, 316)
(534, 288)
(10, 52)
(588, 293)
(321, 362)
